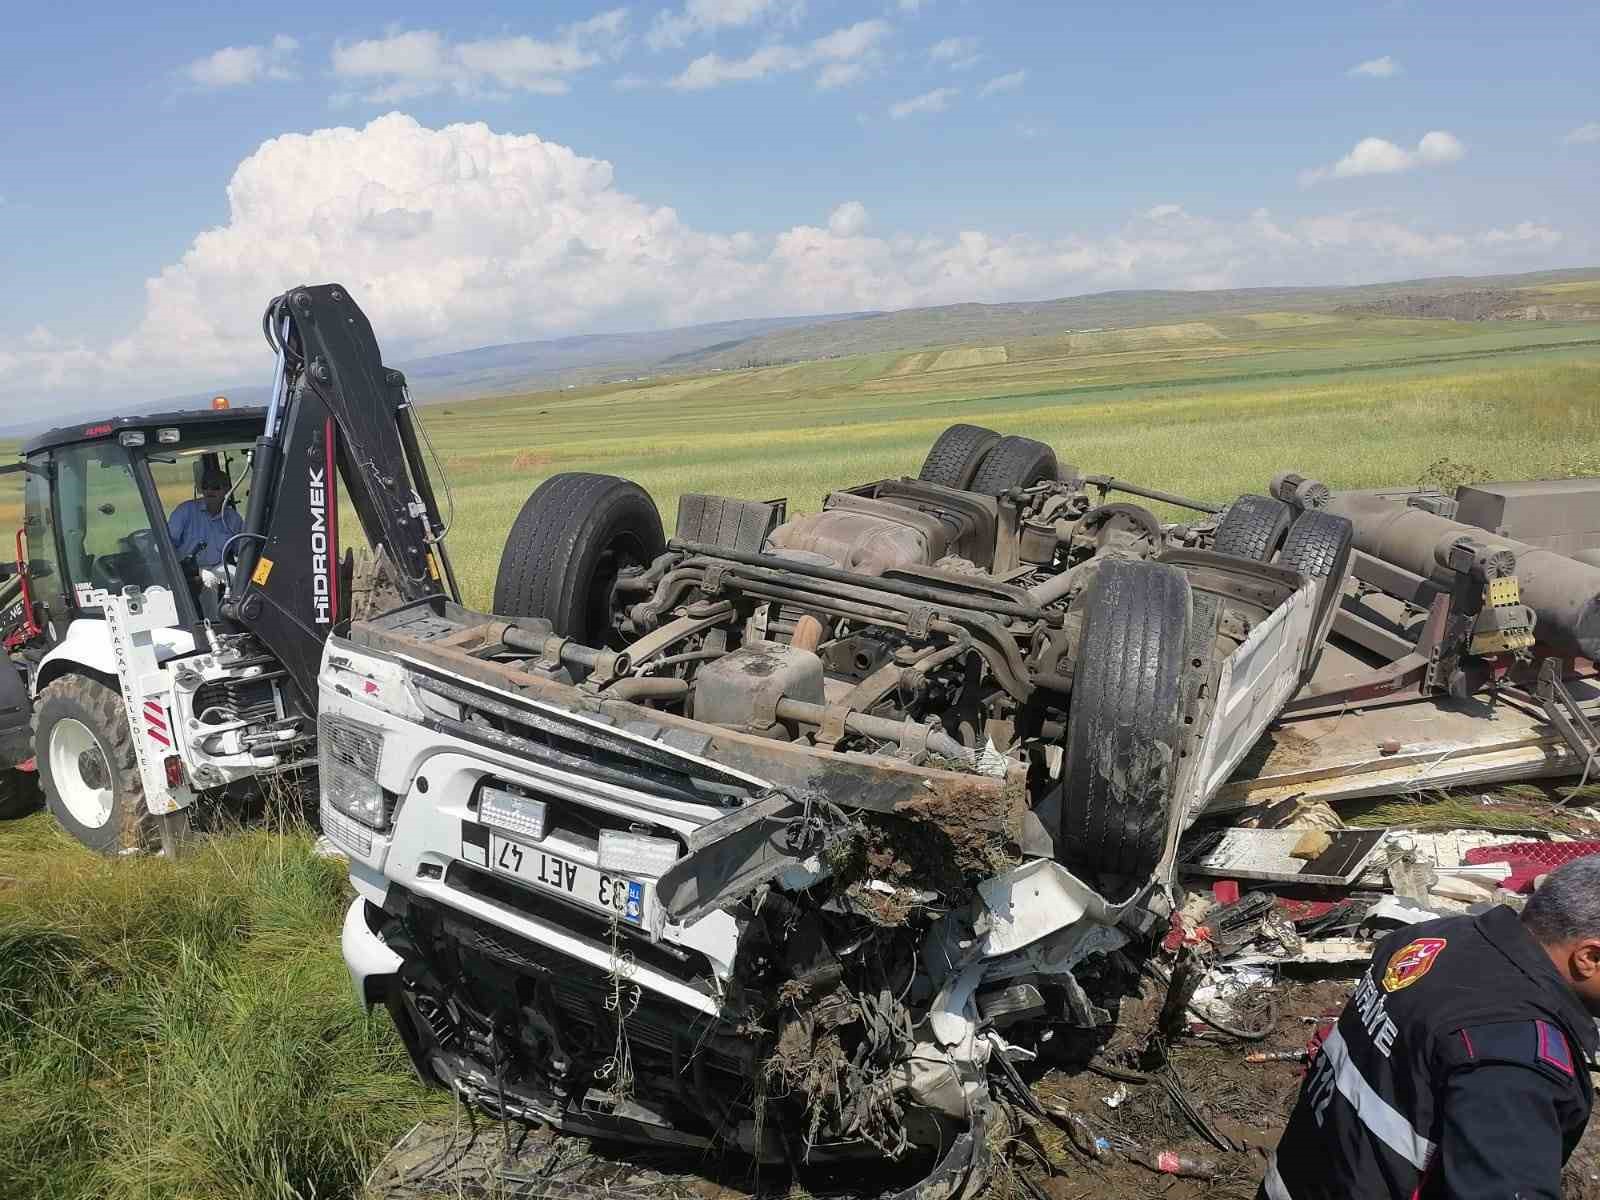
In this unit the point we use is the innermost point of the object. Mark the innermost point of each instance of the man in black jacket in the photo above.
(1458, 1069)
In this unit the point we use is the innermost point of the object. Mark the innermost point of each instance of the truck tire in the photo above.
(956, 456)
(1253, 527)
(87, 767)
(1014, 462)
(1125, 726)
(1318, 546)
(19, 794)
(572, 537)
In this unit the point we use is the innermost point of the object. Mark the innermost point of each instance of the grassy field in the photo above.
(186, 1030)
(1213, 409)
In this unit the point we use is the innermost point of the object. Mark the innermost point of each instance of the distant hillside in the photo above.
(957, 324)
(587, 358)
(730, 345)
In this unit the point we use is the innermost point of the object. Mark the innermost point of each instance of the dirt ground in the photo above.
(1243, 1104)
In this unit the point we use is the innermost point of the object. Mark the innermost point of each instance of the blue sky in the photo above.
(490, 173)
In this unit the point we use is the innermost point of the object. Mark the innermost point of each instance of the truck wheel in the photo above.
(956, 455)
(1014, 462)
(87, 766)
(1253, 527)
(1318, 546)
(566, 547)
(1125, 725)
(19, 794)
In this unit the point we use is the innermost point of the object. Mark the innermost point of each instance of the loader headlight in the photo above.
(348, 753)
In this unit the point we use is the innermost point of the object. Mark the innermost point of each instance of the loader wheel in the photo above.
(19, 794)
(87, 766)
(566, 547)
(1253, 527)
(1014, 462)
(1125, 725)
(956, 456)
(1318, 545)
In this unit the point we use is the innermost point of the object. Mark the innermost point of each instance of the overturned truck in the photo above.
(789, 834)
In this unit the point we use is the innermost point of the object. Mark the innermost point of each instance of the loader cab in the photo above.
(101, 502)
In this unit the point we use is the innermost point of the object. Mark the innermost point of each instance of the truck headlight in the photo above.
(348, 753)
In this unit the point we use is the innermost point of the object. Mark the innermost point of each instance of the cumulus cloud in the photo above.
(235, 66)
(1376, 68)
(848, 220)
(458, 237)
(672, 29)
(957, 52)
(843, 56)
(929, 102)
(1583, 134)
(1378, 156)
(419, 62)
(1008, 82)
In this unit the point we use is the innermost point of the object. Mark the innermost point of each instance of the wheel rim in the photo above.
(78, 770)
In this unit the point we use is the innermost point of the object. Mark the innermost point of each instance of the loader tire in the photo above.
(956, 456)
(87, 767)
(1318, 546)
(1125, 726)
(572, 537)
(1014, 462)
(1253, 527)
(19, 794)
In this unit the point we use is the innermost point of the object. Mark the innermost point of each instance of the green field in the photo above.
(186, 1030)
(1211, 408)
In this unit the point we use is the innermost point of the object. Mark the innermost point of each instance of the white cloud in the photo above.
(672, 29)
(1583, 134)
(848, 220)
(1376, 68)
(420, 62)
(1004, 83)
(929, 102)
(1523, 233)
(957, 52)
(235, 66)
(1378, 156)
(461, 236)
(844, 56)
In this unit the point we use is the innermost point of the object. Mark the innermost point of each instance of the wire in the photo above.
(444, 476)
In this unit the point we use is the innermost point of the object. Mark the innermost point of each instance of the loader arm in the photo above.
(339, 426)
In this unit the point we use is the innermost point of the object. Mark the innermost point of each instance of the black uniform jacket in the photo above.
(1457, 1070)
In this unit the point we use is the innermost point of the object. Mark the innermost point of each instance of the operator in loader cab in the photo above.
(1459, 1068)
(201, 527)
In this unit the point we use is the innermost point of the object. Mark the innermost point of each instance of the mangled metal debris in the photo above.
(813, 839)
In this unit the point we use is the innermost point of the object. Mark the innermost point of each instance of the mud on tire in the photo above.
(1124, 729)
(572, 537)
(87, 766)
(1014, 462)
(956, 455)
(1253, 527)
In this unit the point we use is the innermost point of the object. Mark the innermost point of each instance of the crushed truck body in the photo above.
(800, 836)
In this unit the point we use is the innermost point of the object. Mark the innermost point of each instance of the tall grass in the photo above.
(185, 1029)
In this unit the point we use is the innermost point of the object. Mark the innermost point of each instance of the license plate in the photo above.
(610, 893)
